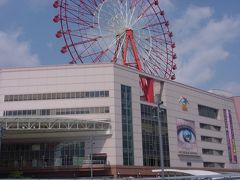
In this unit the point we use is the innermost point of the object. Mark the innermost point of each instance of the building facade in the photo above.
(84, 120)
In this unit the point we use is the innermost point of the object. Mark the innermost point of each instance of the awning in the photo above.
(35, 125)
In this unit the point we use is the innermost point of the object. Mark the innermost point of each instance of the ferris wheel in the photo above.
(134, 33)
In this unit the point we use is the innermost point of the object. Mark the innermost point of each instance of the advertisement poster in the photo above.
(187, 143)
(230, 136)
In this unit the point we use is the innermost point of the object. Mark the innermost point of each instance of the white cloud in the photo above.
(37, 5)
(201, 43)
(3, 2)
(192, 20)
(232, 87)
(14, 52)
(166, 4)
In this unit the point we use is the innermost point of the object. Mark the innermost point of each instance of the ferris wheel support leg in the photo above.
(150, 91)
(147, 87)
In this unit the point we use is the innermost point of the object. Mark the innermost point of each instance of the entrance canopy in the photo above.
(35, 125)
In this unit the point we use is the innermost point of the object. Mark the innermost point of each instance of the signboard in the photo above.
(187, 143)
(184, 103)
(230, 136)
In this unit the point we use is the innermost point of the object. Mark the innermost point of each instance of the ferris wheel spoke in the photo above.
(160, 56)
(78, 12)
(153, 66)
(77, 19)
(133, 3)
(86, 48)
(156, 53)
(83, 6)
(83, 42)
(83, 34)
(113, 42)
(158, 64)
(119, 47)
(150, 68)
(164, 51)
(141, 14)
(160, 39)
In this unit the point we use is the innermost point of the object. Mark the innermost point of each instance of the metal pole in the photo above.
(159, 103)
(91, 151)
(1, 135)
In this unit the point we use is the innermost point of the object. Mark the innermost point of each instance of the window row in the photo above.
(208, 112)
(210, 127)
(213, 164)
(60, 111)
(211, 139)
(212, 152)
(42, 155)
(62, 95)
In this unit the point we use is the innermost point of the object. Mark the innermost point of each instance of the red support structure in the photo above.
(145, 82)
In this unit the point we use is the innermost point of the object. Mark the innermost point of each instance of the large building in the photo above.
(83, 120)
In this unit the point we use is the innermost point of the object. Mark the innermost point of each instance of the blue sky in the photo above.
(206, 33)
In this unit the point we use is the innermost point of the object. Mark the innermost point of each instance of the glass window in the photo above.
(15, 98)
(127, 128)
(29, 112)
(11, 98)
(91, 110)
(64, 95)
(82, 95)
(207, 111)
(102, 110)
(25, 97)
(210, 127)
(63, 111)
(78, 94)
(14, 113)
(87, 94)
(106, 109)
(20, 98)
(81, 110)
(58, 111)
(35, 97)
(86, 110)
(6, 98)
(39, 96)
(24, 112)
(73, 95)
(106, 93)
(97, 110)
(20, 113)
(78, 110)
(59, 95)
(68, 111)
(97, 93)
(102, 93)
(29, 97)
(54, 95)
(49, 95)
(92, 94)
(150, 136)
(68, 95)
(73, 110)
(34, 112)
(44, 96)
